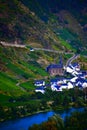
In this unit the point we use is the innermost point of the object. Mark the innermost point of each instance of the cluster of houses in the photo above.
(78, 78)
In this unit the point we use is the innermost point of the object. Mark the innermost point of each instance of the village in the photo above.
(77, 77)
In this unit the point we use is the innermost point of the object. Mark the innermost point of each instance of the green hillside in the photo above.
(36, 24)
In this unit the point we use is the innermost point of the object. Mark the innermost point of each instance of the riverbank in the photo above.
(64, 121)
(22, 116)
(60, 109)
(26, 122)
(38, 103)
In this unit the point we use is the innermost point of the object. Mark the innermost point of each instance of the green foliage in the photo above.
(37, 70)
(65, 44)
(4, 98)
(53, 123)
(77, 121)
(29, 86)
(18, 71)
(20, 20)
(19, 67)
(8, 85)
(66, 35)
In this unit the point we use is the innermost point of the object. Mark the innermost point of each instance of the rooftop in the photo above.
(59, 65)
(38, 81)
(75, 64)
(54, 66)
(40, 88)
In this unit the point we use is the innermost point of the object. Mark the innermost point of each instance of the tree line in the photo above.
(35, 102)
(77, 121)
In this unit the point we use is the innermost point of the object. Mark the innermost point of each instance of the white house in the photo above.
(75, 66)
(63, 86)
(70, 85)
(55, 87)
(58, 81)
(40, 89)
(31, 49)
(73, 69)
(59, 86)
(69, 69)
(39, 83)
(84, 85)
(73, 80)
(83, 74)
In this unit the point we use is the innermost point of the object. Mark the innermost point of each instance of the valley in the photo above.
(34, 35)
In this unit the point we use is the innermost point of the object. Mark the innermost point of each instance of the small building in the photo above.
(59, 87)
(39, 83)
(31, 49)
(55, 87)
(83, 74)
(81, 82)
(63, 86)
(72, 70)
(74, 79)
(56, 69)
(76, 66)
(40, 89)
(70, 85)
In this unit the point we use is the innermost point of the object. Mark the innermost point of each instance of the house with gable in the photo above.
(81, 82)
(55, 87)
(56, 69)
(39, 83)
(56, 81)
(73, 69)
(59, 85)
(83, 74)
(40, 89)
(75, 66)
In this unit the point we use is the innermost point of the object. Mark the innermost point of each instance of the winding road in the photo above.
(75, 56)
(35, 49)
(12, 45)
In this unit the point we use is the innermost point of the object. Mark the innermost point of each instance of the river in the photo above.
(25, 122)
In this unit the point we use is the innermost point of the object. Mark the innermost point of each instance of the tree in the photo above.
(35, 127)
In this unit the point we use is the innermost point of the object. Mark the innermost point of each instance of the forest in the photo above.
(37, 102)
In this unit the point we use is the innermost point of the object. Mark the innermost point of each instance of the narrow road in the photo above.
(36, 49)
(75, 56)
(12, 45)
(18, 85)
(48, 50)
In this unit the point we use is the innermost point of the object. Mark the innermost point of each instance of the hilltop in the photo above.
(45, 24)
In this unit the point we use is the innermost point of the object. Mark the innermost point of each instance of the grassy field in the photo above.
(8, 85)
(18, 70)
(29, 86)
(19, 66)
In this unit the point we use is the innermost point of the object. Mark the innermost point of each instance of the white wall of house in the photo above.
(74, 79)
(63, 87)
(69, 70)
(40, 84)
(42, 91)
(53, 88)
(70, 85)
(84, 85)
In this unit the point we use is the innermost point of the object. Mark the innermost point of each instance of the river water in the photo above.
(25, 122)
